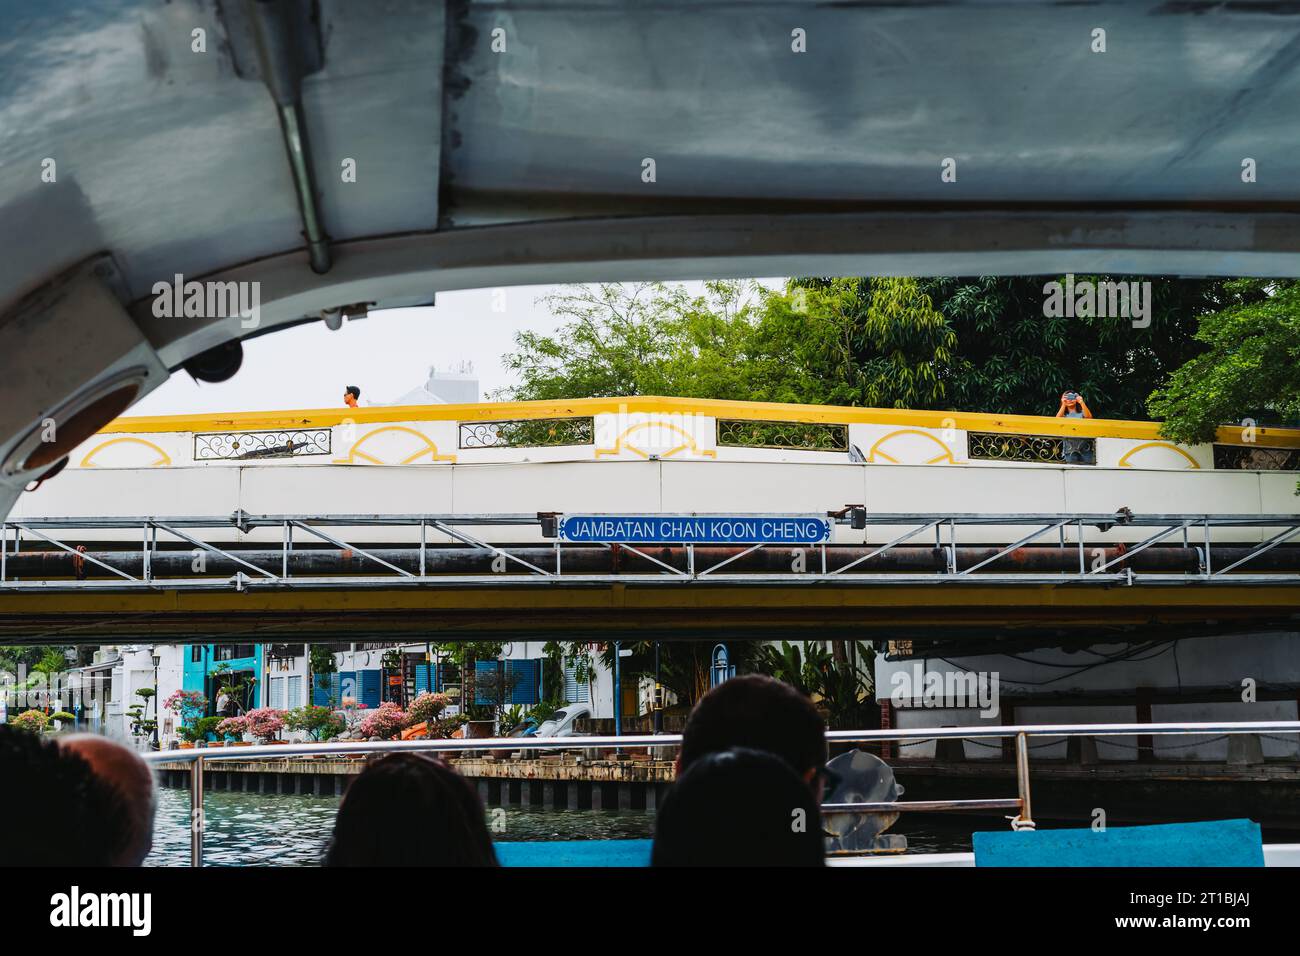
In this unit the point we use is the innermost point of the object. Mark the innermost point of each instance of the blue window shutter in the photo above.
(370, 686)
(422, 678)
(525, 691)
(348, 686)
(325, 690)
(482, 668)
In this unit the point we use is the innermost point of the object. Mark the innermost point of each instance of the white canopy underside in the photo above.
(477, 166)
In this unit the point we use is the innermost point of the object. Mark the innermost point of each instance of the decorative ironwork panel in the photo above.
(792, 436)
(528, 433)
(1254, 458)
(1041, 449)
(246, 446)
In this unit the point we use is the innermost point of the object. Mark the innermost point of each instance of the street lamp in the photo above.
(157, 659)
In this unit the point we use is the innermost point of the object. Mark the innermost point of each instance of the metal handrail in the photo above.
(199, 756)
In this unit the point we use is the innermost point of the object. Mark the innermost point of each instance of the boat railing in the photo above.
(199, 757)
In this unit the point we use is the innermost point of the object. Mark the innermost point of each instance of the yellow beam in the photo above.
(655, 404)
(629, 598)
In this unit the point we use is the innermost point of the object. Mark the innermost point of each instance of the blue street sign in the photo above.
(694, 529)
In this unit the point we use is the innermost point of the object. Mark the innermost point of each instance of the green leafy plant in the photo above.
(319, 723)
(545, 710)
(841, 684)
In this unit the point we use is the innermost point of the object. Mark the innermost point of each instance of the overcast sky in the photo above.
(386, 355)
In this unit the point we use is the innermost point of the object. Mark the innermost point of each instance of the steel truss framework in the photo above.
(514, 571)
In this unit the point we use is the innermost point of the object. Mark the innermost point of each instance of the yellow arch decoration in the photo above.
(429, 448)
(1123, 462)
(164, 459)
(621, 444)
(875, 449)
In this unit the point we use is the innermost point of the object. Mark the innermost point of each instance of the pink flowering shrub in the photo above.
(426, 707)
(385, 723)
(265, 723)
(186, 703)
(34, 721)
(233, 727)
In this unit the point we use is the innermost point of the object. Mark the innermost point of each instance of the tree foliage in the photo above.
(972, 344)
(1214, 351)
(1012, 358)
(1250, 367)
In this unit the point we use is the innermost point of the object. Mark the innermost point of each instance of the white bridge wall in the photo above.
(672, 486)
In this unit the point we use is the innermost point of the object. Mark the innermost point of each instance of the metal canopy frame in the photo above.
(518, 572)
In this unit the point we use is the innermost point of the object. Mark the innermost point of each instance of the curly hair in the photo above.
(91, 825)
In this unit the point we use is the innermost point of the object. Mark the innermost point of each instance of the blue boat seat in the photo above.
(1213, 843)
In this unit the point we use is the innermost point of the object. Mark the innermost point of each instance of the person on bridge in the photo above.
(761, 713)
(351, 395)
(1073, 406)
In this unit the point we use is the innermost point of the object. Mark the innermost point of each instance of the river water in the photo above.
(254, 829)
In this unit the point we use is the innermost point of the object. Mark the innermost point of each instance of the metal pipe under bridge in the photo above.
(204, 577)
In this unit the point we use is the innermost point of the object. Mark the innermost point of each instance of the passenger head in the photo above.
(408, 809)
(103, 809)
(739, 808)
(350, 396)
(122, 770)
(761, 713)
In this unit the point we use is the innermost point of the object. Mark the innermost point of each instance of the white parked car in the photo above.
(563, 720)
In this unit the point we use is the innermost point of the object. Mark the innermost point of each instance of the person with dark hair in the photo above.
(99, 799)
(351, 395)
(762, 713)
(739, 807)
(409, 809)
(128, 777)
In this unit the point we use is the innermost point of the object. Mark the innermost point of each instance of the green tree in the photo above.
(835, 341)
(1250, 369)
(972, 344)
(1012, 358)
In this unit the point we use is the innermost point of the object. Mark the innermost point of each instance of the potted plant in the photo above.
(233, 730)
(208, 727)
(385, 723)
(191, 736)
(425, 709)
(318, 723)
(63, 720)
(188, 705)
(480, 721)
(265, 723)
(34, 721)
